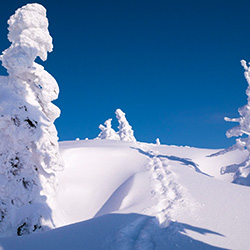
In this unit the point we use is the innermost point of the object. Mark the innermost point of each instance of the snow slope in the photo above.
(131, 195)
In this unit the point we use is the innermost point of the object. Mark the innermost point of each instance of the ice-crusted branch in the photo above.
(231, 119)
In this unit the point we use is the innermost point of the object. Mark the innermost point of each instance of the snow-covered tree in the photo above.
(242, 175)
(158, 141)
(107, 132)
(29, 154)
(125, 130)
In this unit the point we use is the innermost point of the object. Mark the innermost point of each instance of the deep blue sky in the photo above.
(172, 66)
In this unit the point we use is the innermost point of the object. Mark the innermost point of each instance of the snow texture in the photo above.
(29, 152)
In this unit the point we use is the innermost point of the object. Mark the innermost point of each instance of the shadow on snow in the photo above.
(114, 231)
(183, 161)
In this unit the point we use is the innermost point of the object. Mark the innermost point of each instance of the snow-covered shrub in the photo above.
(125, 130)
(29, 153)
(107, 132)
(242, 176)
(158, 141)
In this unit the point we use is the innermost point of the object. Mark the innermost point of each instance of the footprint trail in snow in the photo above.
(169, 198)
(164, 189)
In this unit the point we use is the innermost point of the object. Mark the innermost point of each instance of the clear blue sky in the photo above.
(172, 66)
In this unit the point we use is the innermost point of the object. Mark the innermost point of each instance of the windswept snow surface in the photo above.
(131, 195)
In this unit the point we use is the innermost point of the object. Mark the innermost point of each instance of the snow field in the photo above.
(169, 185)
(130, 195)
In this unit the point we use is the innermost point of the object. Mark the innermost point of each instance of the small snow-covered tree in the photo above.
(125, 130)
(29, 153)
(242, 175)
(107, 132)
(158, 141)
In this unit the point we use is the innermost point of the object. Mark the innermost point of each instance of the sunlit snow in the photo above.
(131, 195)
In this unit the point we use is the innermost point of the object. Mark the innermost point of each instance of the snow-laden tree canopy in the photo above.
(125, 130)
(242, 176)
(29, 153)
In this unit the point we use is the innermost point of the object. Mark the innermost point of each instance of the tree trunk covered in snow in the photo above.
(29, 153)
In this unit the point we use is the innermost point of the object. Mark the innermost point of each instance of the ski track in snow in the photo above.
(168, 194)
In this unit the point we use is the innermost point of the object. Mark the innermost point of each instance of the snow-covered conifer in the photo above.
(107, 132)
(125, 130)
(29, 153)
(158, 141)
(242, 176)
